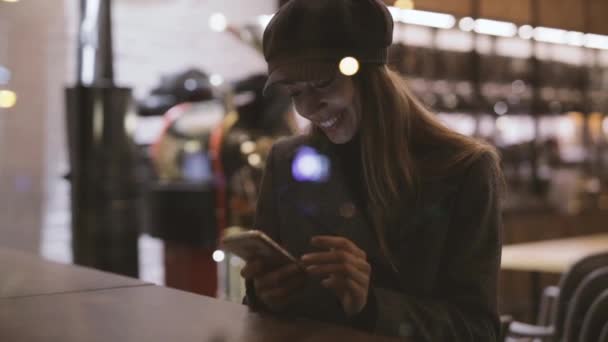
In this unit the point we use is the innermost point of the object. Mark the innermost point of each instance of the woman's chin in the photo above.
(338, 137)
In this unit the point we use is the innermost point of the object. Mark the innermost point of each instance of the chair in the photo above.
(595, 319)
(505, 322)
(604, 333)
(589, 289)
(556, 301)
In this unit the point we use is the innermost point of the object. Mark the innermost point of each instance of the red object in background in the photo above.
(190, 269)
(215, 147)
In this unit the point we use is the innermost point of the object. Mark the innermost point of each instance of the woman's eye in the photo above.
(294, 93)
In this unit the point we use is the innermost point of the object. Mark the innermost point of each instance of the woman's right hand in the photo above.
(275, 288)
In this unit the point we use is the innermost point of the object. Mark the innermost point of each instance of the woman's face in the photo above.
(332, 105)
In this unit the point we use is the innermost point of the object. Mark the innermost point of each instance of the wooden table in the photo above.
(152, 314)
(68, 304)
(24, 275)
(550, 256)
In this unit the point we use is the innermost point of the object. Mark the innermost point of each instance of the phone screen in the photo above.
(255, 245)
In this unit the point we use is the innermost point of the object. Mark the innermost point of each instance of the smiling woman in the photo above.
(330, 104)
(402, 238)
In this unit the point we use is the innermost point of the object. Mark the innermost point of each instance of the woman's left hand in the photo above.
(344, 269)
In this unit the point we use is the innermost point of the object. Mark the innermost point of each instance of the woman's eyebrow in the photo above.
(293, 84)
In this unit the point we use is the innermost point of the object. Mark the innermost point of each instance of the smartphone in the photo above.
(254, 244)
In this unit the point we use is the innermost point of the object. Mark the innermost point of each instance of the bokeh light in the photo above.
(254, 160)
(310, 166)
(5, 75)
(404, 4)
(216, 80)
(218, 256)
(550, 35)
(495, 27)
(218, 22)
(575, 38)
(130, 123)
(596, 41)
(7, 98)
(518, 87)
(501, 108)
(466, 24)
(247, 147)
(429, 19)
(190, 84)
(349, 66)
(526, 32)
(192, 146)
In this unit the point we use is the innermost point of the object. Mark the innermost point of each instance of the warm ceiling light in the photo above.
(495, 28)
(11, 0)
(254, 160)
(349, 66)
(575, 38)
(404, 4)
(7, 98)
(526, 32)
(550, 35)
(596, 41)
(431, 19)
(248, 147)
(466, 24)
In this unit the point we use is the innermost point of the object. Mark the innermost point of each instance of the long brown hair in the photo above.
(397, 135)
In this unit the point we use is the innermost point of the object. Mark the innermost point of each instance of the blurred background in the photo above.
(133, 133)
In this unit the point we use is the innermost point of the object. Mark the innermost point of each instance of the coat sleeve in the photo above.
(266, 220)
(463, 305)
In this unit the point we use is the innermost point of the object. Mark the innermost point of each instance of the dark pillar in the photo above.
(102, 156)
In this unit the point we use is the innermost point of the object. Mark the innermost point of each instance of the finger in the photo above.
(335, 257)
(252, 269)
(343, 286)
(356, 289)
(336, 283)
(337, 242)
(345, 270)
(271, 279)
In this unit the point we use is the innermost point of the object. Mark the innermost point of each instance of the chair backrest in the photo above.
(568, 284)
(604, 333)
(595, 319)
(584, 295)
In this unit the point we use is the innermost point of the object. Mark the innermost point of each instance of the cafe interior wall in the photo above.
(37, 45)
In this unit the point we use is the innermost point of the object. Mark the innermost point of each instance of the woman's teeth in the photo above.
(330, 122)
